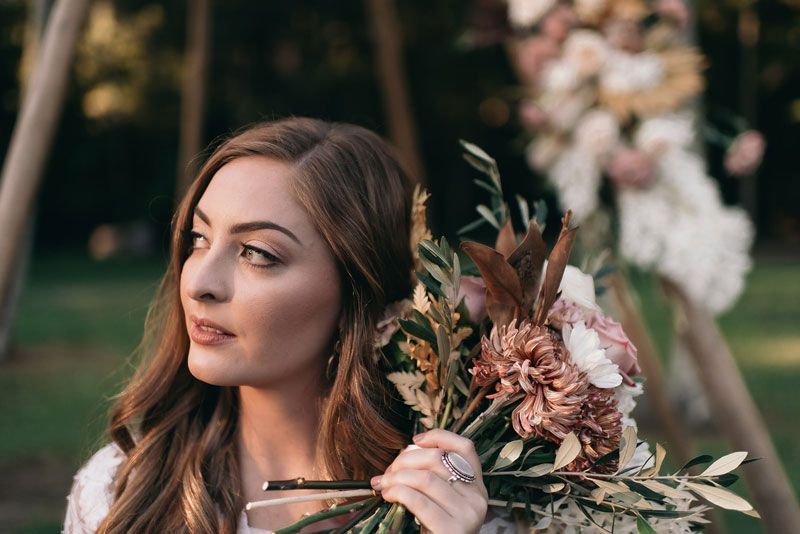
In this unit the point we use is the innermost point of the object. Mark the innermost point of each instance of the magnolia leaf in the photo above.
(508, 454)
(726, 464)
(721, 497)
(627, 445)
(667, 491)
(569, 449)
(528, 260)
(504, 292)
(552, 488)
(538, 470)
(506, 241)
(488, 214)
(556, 265)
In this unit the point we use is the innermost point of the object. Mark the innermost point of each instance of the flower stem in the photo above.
(471, 408)
(447, 407)
(314, 497)
(376, 518)
(301, 483)
(375, 502)
(319, 516)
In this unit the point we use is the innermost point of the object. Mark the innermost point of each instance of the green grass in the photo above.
(79, 320)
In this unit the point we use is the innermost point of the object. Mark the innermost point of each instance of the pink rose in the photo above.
(630, 167)
(473, 290)
(619, 348)
(745, 153)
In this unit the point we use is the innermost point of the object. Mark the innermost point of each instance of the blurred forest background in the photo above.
(115, 162)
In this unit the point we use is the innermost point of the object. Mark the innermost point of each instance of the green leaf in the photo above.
(524, 210)
(429, 283)
(508, 454)
(721, 497)
(697, 460)
(487, 214)
(442, 343)
(471, 226)
(477, 152)
(627, 446)
(644, 491)
(727, 479)
(490, 188)
(429, 250)
(642, 526)
(569, 449)
(726, 464)
(418, 331)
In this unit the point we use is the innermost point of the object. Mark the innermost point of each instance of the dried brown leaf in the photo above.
(528, 260)
(504, 292)
(557, 262)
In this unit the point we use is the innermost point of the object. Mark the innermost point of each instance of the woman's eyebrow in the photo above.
(251, 226)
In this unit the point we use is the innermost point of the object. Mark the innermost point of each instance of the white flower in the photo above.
(526, 13)
(629, 73)
(597, 132)
(626, 402)
(543, 151)
(587, 50)
(658, 134)
(583, 345)
(576, 177)
(578, 287)
(560, 76)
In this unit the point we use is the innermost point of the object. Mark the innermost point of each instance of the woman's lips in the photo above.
(204, 336)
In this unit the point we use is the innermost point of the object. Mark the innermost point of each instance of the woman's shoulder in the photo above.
(92, 490)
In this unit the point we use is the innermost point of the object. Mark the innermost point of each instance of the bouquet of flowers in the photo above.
(531, 370)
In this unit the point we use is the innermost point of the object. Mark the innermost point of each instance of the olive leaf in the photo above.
(726, 464)
(721, 497)
(569, 449)
(508, 454)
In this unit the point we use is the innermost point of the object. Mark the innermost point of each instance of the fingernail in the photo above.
(417, 438)
(376, 482)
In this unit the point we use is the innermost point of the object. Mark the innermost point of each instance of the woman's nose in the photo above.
(209, 275)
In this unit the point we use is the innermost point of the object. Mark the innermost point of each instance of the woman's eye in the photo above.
(195, 240)
(259, 258)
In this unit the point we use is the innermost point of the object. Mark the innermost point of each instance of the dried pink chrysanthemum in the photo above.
(533, 359)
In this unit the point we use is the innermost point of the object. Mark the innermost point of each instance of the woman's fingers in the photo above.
(425, 481)
(429, 513)
(449, 441)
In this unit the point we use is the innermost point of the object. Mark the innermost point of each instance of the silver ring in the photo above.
(459, 467)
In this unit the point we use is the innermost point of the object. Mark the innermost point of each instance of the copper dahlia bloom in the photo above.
(533, 360)
(599, 429)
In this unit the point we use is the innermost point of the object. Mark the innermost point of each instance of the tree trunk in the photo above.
(30, 144)
(193, 94)
(392, 78)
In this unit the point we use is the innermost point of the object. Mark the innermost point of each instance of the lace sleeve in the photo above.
(92, 491)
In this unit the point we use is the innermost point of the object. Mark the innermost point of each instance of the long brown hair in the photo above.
(181, 472)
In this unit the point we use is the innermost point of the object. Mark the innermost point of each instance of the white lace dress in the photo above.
(92, 494)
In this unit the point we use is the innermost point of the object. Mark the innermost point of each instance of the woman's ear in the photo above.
(341, 325)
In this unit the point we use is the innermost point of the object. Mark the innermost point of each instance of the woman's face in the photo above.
(261, 272)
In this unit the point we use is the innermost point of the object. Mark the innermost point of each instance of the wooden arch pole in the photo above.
(34, 131)
(392, 78)
(736, 414)
(193, 94)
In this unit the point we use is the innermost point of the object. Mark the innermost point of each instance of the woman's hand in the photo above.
(417, 479)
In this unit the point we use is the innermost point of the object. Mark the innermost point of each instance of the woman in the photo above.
(259, 360)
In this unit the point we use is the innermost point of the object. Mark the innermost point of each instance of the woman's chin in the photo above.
(212, 369)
